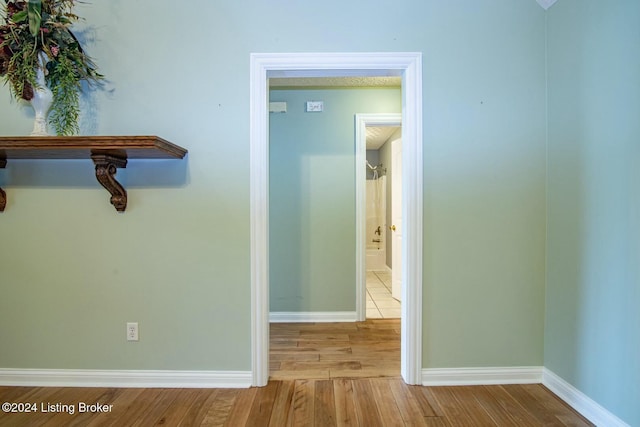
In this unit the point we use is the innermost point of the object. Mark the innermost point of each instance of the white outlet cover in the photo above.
(132, 331)
(315, 106)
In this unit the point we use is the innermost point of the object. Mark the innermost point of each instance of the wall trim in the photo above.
(124, 378)
(579, 401)
(482, 376)
(312, 316)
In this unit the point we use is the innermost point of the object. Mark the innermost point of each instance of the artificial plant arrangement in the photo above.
(35, 34)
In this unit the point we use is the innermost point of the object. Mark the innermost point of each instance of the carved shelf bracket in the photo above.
(107, 152)
(3, 195)
(106, 168)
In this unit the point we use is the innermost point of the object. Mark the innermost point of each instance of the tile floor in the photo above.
(380, 303)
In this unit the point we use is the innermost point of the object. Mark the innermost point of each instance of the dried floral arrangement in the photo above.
(28, 30)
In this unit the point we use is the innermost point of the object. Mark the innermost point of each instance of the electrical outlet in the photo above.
(132, 331)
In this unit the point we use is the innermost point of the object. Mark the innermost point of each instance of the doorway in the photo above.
(378, 304)
(409, 67)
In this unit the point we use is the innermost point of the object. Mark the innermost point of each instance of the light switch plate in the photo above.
(315, 106)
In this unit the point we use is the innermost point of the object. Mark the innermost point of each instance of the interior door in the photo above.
(396, 219)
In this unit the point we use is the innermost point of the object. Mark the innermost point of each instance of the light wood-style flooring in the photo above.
(335, 350)
(364, 402)
(338, 385)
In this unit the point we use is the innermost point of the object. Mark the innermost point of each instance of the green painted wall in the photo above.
(312, 197)
(484, 220)
(74, 271)
(592, 336)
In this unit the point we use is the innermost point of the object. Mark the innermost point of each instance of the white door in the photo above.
(396, 219)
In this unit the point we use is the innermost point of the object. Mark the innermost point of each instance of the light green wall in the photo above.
(484, 220)
(592, 337)
(312, 196)
(74, 271)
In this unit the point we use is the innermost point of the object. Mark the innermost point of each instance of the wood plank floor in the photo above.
(335, 350)
(335, 398)
(334, 402)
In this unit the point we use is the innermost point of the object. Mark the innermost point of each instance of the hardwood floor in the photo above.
(335, 402)
(338, 385)
(335, 350)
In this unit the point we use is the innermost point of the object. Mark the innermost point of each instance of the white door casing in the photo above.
(408, 65)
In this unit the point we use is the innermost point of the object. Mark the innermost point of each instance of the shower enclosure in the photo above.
(376, 209)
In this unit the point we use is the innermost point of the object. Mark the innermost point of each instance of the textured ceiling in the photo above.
(378, 135)
(279, 82)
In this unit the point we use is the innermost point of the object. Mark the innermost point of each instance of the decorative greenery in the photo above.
(35, 26)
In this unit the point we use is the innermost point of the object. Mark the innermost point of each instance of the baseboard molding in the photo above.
(482, 376)
(124, 379)
(580, 401)
(312, 316)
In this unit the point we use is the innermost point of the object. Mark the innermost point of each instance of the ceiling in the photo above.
(378, 135)
(311, 82)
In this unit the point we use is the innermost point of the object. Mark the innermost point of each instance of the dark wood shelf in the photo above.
(107, 152)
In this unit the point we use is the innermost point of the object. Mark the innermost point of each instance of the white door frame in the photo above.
(362, 121)
(409, 67)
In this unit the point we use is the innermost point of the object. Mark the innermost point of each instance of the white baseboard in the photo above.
(124, 379)
(312, 316)
(482, 376)
(580, 401)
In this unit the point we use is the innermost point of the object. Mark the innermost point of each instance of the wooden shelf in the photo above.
(107, 152)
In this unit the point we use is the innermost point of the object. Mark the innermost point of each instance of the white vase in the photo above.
(42, 99)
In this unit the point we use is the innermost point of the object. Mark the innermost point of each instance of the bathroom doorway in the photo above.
(383, 186)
